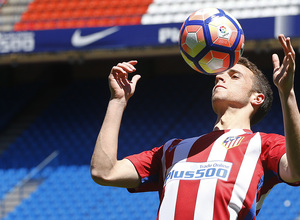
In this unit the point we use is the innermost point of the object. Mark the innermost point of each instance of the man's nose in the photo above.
(220, 77)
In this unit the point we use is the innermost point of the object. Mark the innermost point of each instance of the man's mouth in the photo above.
(219, 86)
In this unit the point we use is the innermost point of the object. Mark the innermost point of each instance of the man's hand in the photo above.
(283, 75)
(120, 86)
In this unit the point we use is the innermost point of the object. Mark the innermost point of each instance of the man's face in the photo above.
(233, 88)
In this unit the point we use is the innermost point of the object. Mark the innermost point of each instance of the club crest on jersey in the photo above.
(232, 141)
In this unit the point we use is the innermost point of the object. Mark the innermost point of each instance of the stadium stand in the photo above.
(75, 14)
(43, 14)
(70, 125)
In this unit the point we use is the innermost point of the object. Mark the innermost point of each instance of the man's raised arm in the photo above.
(105, 168)
(283, 78)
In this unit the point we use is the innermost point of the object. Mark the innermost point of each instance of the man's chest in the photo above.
(225, 157)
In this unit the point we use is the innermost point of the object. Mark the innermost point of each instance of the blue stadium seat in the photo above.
(282, 203)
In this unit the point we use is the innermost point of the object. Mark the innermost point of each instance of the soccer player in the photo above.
(225, 174)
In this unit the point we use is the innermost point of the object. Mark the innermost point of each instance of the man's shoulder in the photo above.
(268, 135)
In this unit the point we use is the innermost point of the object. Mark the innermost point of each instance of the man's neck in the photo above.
(232, 119)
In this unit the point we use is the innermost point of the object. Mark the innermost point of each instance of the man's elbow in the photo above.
(100, 177)
(295, 177)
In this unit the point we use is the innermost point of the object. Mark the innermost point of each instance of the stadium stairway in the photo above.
(16, 195)
(11, 12)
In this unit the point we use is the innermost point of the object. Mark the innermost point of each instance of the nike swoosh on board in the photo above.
(81, 41)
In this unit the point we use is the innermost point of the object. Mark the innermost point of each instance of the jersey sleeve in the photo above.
(274, 148)
(148, 166)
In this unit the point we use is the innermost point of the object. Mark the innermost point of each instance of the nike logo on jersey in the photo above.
(81, 41)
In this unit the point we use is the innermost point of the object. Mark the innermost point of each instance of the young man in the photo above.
(225, 174)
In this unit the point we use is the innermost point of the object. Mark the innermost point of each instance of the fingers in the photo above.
(125, 67)
(276, 62)
(120, 73)
(128, 66)
(135, 78)
(121, 70)
(291, 59)
(290, 47)
(286, 45)
(133, 62)
(283, 43)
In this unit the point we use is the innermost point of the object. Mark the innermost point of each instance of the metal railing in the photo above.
(17, 194)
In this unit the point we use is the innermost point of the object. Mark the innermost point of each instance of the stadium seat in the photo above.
(48, 25)
(29, 17)
(44, 15)
(55, 15)
(19, 27)
(93, 22)
(39, 25)
(80, 23)
(77, 13)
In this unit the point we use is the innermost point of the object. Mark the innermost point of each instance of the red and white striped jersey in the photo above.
(220, 175)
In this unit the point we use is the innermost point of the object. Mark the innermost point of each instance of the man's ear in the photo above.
(257, 99)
